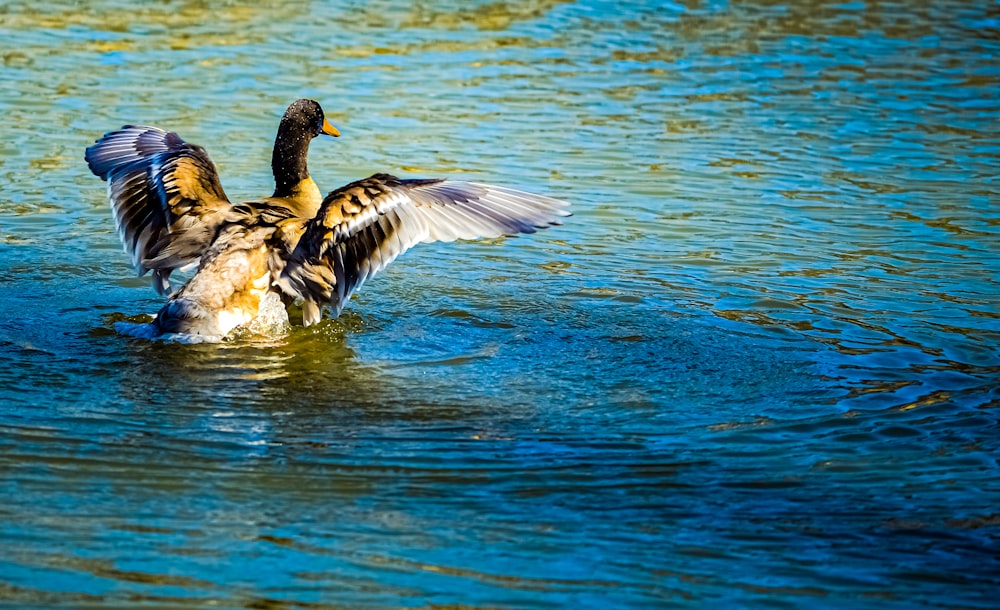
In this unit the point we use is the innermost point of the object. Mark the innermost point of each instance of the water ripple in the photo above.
(758, 365)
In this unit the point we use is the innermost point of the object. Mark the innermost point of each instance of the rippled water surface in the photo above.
(758, 366)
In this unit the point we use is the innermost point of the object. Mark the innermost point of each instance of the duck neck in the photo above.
(288, 160)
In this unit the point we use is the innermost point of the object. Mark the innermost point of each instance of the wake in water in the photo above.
(271, 321)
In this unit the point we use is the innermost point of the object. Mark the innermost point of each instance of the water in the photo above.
(758, 366)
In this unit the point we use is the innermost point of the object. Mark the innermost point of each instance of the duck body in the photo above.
(229, 287)
(171, 212)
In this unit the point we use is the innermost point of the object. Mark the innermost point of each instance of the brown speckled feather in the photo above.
(233, 277)
(362, 227)
(165, 195)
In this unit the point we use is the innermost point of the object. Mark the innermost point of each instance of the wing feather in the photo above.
(165, 196)
(362, 227)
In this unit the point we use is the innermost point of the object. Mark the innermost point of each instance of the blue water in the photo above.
(759, 366)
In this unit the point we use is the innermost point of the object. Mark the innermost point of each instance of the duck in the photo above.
(296, 246)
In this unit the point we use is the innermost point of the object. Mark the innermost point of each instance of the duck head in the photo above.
(303, 121)
(305, 117)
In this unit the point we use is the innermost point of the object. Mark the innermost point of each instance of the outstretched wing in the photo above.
(165, 196)
(362, 227)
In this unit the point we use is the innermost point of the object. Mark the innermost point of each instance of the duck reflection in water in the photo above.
(256, 257)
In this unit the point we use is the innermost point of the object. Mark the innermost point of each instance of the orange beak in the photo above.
(329, 129)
